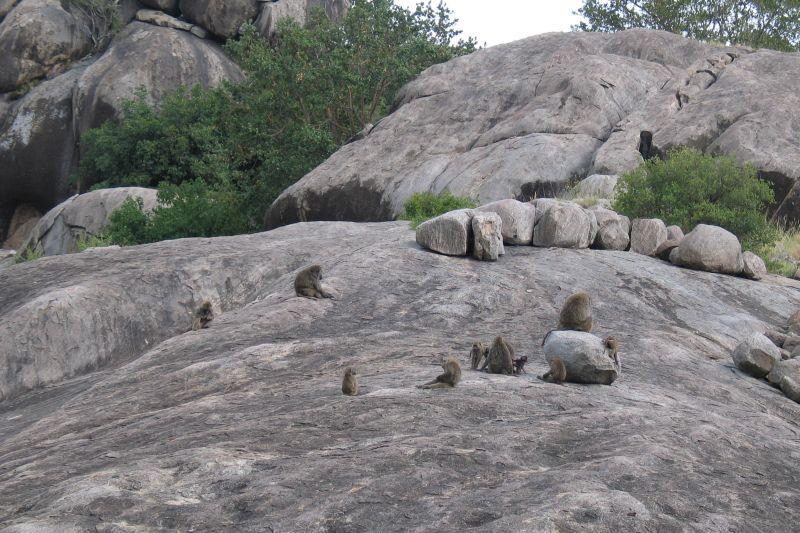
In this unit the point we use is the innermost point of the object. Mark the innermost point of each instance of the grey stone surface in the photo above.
(753, 266)
(664, 250)
(271, 12)
(223, 18)
(7, 258)
(613, 229)
(518, 219)
(86, 214)
(583, 354)
(243, 427)
(710, 248)
(565, 225)
(159, 18)
(756, 355)
(781, 369)
(23, 220)
(596, 186)
(647, 234)
(487, 229)
(449, 234)
(675, 233)
(791, 388)
(169, 6)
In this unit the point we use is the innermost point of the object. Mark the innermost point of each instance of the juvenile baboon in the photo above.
(203, 316)
(612, 349)
(519, 364)
(576, 313)
(501, 358)
(557, 372)
(477, 355)
(307, 283)
(450, 378)
(350, 383)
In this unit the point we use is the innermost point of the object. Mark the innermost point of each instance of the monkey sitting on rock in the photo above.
(479, 352)
(501, 358)
(576, 314)
(203, 316)
(450, 378)
(350, 383)
(307, 283)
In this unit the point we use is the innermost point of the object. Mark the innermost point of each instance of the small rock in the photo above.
(596, 186)
(449, 234)
(159, 18)
(791, 342)
(613, 229)
(199, 31)
(665, 248)
(776, 337)
(674, 233)
(710, 248)
(791, 388)
(647, 234)
(756, 355)
(565, 225)
(7, 258)
(488, 231)
(785, 354)
(753, 266)
(583, 354)
(790, 368)
(518, 219)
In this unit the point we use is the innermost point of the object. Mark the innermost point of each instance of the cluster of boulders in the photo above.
(775, 356)
(548, 222)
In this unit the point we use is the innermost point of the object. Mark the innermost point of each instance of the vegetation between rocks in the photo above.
(100, 16)
(424, 206)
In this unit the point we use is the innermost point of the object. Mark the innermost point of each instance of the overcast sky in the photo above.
(500, 21)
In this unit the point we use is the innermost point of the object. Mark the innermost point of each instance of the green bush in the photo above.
(87, 241)
(28, 254)
(424, 206)
(691, 188)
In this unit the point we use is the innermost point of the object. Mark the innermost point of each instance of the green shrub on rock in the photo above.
(424, 206)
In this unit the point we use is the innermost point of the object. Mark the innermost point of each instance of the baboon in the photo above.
(501, 358)
(576, 313)
(307, 283)
(203, 316)
(557, 372)
(350, 383)
(450, 378)
(646, 147)
(477, 355)
(519, 364)
(612, 349)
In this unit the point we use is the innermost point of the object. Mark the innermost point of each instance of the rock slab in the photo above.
(449, 234)
(487, 229)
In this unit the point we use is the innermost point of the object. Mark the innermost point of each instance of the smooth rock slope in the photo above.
(243, 425)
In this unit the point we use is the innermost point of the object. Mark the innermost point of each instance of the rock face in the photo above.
(613, 230)
(168, 6)
(753, 267)
(488, 241)
(86, 214)
(756, 355)
(583, 354)
(565, 225)
(710, 248)
(181, 430)
(525, 118)
(596, 186)
(223, 18)
(647, 234)
(449, 234)
(518, 219)
(22, 222)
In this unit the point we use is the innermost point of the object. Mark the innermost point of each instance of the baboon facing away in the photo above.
(479, 352)
(557, 372)
(450, 378)
(307, 283)
(350, 383)
(612, 349)
(501, 358)
(576, 313)
(203, 316)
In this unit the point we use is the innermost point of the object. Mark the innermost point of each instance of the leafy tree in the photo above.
(758, 23)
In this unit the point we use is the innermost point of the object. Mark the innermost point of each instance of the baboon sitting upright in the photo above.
(501, 358)
(203, 316)
(576, 313)
(350, 383)
(450, 378)
(307, 283)
(479, 352)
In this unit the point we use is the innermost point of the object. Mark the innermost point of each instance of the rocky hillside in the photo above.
(527, 118)
(115, 417)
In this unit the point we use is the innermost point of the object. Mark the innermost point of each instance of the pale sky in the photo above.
(501, 21)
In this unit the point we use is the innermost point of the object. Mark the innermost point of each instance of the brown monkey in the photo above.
(612, 349)
(350, 383)
(307, 283)
(477, 355)
(501, 358)
(519, 364)
(450, 378)
(203, 316)
(557, 373)
(576, 313)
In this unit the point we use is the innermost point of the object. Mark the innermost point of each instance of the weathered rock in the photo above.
(159, 18)
(665, 249)
(487, 229)
(777, 338)
(583, 354)
(7, 258)
(6, 6)
(791, 342)
(449, 234)
(596, 186)
(674, 233)
(542, 205)
(518, 219)
(24, 219)
(35, 37)
(82, 215)
(781, 369)
(756, 355)
(785, 354)
(169, 6)
(753, 267)
(710, 248)
(613, 229)
(223, 18)
(298, 10)
(647, 234)
(565, 225)
(199, 31)
(791, 388)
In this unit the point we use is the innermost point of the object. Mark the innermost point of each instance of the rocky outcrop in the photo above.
(647, 234)
(596, 186)
(526, 119)
(243, 426)
(22, 222)
(299, 10)
(710, 248)
(223, 18)
(565, 225)
(753, 267)
(82, 216)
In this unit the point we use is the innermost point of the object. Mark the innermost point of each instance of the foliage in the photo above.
(757, 23)
(87, 241)
(423, 206)
(783, 257)
(305, 94)
(691, 188)
(101, 17)
(28, 254)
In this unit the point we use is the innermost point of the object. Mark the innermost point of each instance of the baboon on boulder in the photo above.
(307, 283)
(576, 313)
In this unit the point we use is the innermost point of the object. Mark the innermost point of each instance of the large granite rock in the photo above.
(83, 215)
(647, 234)
(613, 229)
(223, 18)
(756, 355)
(518, 219)
(526, 118)
(487, 229)
(596, 186)
(565, 225)
(449, 234)
(710, 248)
(243, 426)
(583, 354)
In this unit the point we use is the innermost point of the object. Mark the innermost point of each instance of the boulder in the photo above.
(542, 205)
(664, 249)
(781, 369)
(159, 18)
(565, 225)
(710, 248)
(488, 241)
(7, 258)
(272, 12)
(647, 234)
(777, 338)
(24, 219)
(223, 18)
(448, 234)
(37, 37)
(596, 186)
(674, 233)
(168, 6)
(60, 228)
(791, 388)
(583, 354)
(756, 355)
(518, 219)
(753, 266)
(791, 342)
(613, 229)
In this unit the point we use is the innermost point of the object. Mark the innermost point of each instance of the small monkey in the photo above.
(501, 358)
(519, 364)
(450, 378)
(576, 313)
(557, 372)
(203, 316)
(612, 349)
(350, 383)
(479, 352)
(307, 283)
